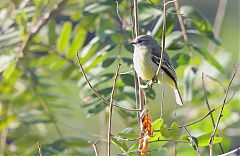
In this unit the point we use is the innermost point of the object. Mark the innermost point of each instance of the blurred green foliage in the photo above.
(44, 97)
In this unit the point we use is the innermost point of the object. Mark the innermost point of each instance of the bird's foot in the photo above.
(148, 85)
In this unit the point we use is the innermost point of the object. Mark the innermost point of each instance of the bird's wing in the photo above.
(166, 66)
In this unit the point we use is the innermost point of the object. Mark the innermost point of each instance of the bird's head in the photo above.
(144, 41)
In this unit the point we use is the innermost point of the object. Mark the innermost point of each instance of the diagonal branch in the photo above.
(209, 108)
(220, 114)
(96, 92)
(38, 26)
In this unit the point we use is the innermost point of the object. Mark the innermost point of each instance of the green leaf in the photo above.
(120, 144)
(195, 20)
(10, 69)
(174, 132)
(180, 59)
(126, 60)
(52, 36)
(96, 109)
(157, 124)
(107, 62)
(203, 140)
(80, 142)
(4, 123)
(64, 38)
(77, 42)
(96, 8)
(209, 58)
(164, 131)
(128, 79)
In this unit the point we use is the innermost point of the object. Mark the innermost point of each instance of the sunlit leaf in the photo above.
(180, 59)
(64, 38)
(77, 42)
(203, 140)
(10, 69)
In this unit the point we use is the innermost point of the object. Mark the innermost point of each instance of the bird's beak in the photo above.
(133, 42)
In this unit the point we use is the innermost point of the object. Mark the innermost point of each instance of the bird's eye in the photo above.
(140, 41)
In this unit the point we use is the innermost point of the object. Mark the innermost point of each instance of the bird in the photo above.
(146, 59)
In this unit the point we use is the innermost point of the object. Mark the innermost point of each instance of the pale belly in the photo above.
(146, 69)
(144, 66)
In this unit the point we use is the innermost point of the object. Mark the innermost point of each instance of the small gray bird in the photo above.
(146, 58)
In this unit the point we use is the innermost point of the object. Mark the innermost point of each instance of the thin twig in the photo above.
(38, 26)
(182, 141)
(209, 108)
(120, 19)
(96, 92)
(162, 100)
(237, 151)
(165, 4)
(95, 149)
(220, 114)
(189, 134)
(39, 149)
(110, 109)
(163, 38)
(180, 19)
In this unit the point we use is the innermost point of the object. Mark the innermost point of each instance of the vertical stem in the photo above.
(135, 10)
(180, 19)
(110, 110)
(218, 21)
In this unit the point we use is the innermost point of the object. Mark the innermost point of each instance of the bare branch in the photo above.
(209, 108)
(163, 38)
(237, 151)
(39, 149)
(220, 114)
(38, 26)
(110, 110)
(96, 92)
(180, 19)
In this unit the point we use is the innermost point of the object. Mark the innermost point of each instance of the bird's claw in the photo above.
(148, 85)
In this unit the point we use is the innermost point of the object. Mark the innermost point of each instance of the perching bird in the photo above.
(146, 58)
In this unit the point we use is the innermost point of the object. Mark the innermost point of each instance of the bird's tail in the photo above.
(178, 96)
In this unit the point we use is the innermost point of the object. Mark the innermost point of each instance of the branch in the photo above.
(163, 37)
(237, 150)
(208, 106)
(39, 149)
(220, 114)
(190, 137)
(110, 110)
(180, 19)
(182, 141)
(37, 27)
(96, 92)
